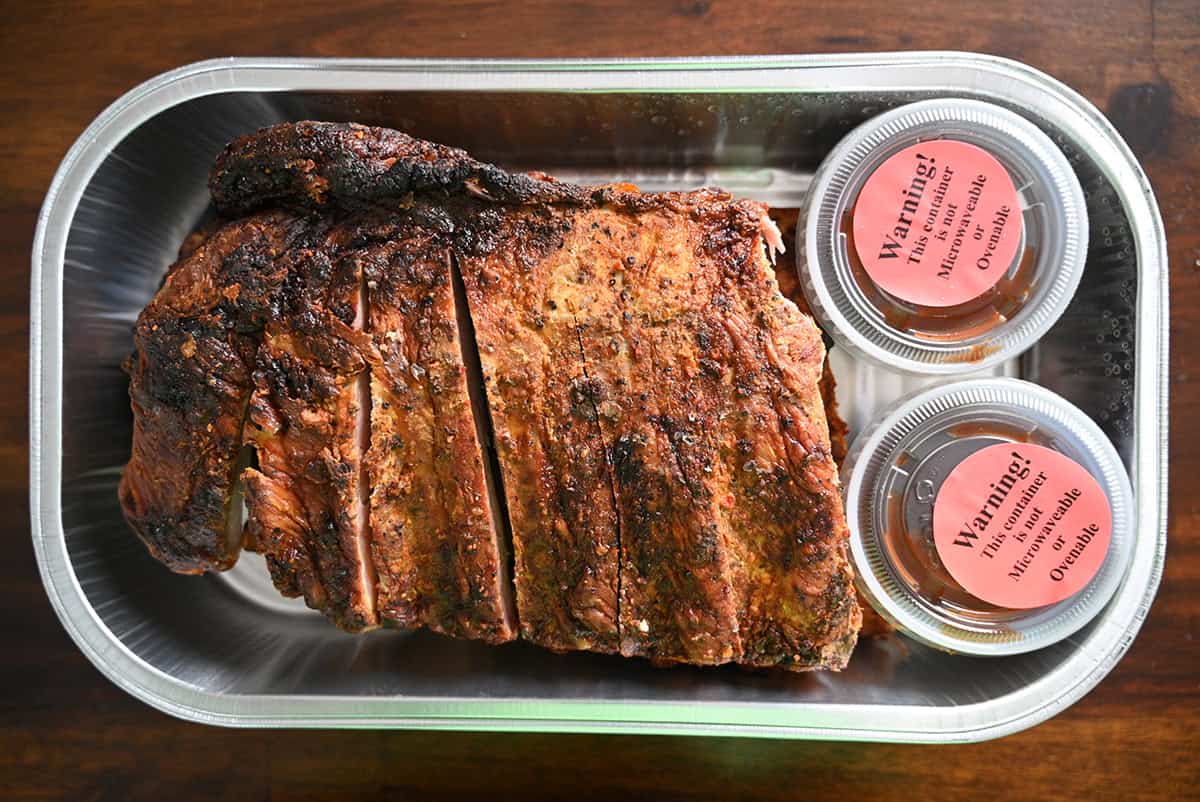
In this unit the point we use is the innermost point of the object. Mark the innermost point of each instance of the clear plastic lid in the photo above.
(942, 237)
(894, 479)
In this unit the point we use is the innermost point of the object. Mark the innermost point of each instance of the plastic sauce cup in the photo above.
(942, 237)
(987, 516)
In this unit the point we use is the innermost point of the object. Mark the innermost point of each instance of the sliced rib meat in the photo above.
(190, 382)
(551, 455)
(789, 284)
(704, 378)
(437, 543)
(793, 580)
(304, 510)
(675, 601)
(551, 460)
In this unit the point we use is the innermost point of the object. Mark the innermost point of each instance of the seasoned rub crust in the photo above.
(308, 166)
(190, 382)
(302, 501)
(732, 537)
(439, 555)
(551, 454)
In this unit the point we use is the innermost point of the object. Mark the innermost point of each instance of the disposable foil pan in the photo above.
(227, 650)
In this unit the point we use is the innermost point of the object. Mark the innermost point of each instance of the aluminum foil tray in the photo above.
(228, 650)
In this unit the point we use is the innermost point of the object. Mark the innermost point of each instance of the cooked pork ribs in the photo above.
(191, 377)
(430, 358)
(702, 379)
(873, 624)
(436, 526)
(304, 510)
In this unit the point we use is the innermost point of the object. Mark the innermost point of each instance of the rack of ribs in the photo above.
(494, 405)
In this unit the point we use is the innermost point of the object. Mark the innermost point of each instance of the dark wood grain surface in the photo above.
(66, 733)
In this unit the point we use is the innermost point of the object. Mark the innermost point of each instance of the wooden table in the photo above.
(68, 734)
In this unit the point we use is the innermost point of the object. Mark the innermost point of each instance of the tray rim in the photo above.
(1015, 711)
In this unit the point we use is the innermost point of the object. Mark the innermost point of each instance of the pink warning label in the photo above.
(1021, 526)
(938, 224)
